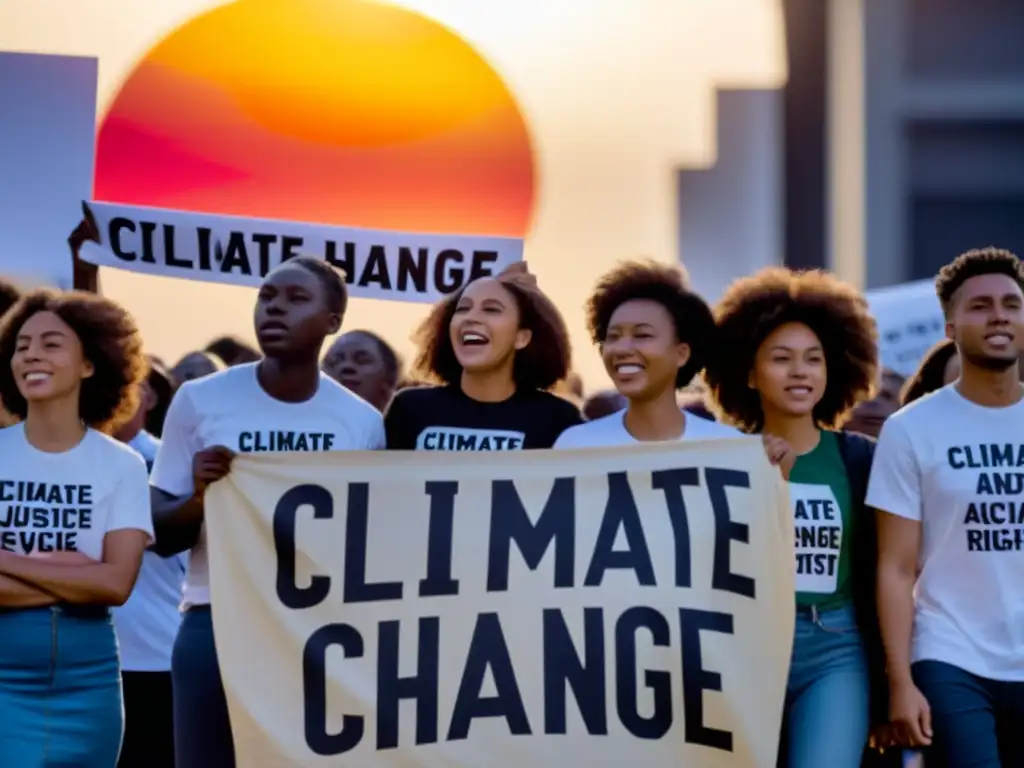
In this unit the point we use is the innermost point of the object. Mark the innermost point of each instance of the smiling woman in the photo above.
(497, 346)
(74, 527)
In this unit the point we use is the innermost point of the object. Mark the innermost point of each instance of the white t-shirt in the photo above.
(231, 409)
(611, 430)
(957, 468)
(148, 623)
(68, 502)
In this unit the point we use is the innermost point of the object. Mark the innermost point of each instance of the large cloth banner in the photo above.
(599, 608)
(238, 250)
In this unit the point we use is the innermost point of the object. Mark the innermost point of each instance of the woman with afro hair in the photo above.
(73, 528)
(802, 353)
(496, 347)
(655, 335)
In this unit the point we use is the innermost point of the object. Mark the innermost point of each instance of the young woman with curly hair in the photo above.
(496, 347)
(655, 335)
(939, 366)
(74, 523)
(800, 353)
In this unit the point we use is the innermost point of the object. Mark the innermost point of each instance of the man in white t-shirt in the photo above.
(947, 480)
(281, 403)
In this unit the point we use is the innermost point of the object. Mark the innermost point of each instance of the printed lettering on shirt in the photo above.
(281, 441)
(43, 517)
(994, 519)
(818, 523)
(465, 439)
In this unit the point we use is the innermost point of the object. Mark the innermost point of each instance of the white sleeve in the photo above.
(376, 439)
(895, 482)
(567, 439)
(172, 468)
(130, 507)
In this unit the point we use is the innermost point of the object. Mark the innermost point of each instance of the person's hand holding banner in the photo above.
(605, 607)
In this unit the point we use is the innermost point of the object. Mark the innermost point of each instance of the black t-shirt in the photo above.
(445, 419)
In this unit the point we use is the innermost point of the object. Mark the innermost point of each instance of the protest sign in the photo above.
(241, 251)
(909, 321)
(605, 607)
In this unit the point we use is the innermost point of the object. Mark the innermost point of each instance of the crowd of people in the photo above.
(908, 565)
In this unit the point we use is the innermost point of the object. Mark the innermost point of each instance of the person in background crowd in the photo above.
(162, 387)
(696, 403)
(574, 385)
(869, 416)
(802, 353)
(497, 345)
(147, 625)
(365, 364)
(654, 335)
(281, 403)
(603, 403)
(232, 351)
(951, 533)
(196, 365)
(72, 363)
(939, 367)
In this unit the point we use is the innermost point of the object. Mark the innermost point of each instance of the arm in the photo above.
(107, 582)
(18, 594)
(899, 542)
(176, 522)
(177, 505)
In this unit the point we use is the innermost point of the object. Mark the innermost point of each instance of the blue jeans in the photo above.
(60, 688)
(826, 717)
(202, 728)
(976, 722)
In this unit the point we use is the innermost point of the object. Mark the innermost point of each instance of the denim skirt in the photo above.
(60, 688)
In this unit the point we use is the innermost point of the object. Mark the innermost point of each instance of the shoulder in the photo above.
(591, 433)
(416, 399)
(924, 409)
(115, 454)
(698, 427)
(11, 434)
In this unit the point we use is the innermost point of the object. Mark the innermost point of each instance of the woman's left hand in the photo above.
(779, 453)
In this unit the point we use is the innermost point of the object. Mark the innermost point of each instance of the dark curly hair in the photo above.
(541, 364)
(110, 340)
(233, 351)
(9, 295)
(753, 307)
(389, 357)
(974, 263)
(667, 285)
(930, 374)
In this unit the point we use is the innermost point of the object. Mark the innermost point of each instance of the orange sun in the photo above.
(345, 112)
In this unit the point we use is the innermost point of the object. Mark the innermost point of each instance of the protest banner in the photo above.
(605, 606)
(909, 321)
(238, 250)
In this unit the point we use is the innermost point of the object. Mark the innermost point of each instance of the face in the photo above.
(147, 401)
(987, 322)
(194, 365)
(869, 416)
(641, 351)
(291, 315)
(789, 371)
(485, 330)
(355, 361)
(48, 363)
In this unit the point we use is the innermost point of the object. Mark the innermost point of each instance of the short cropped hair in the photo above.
(753, 307)
(332, 280)
(664, 284)
(110, 340)
(540, 365)
(930, 374)
(233, 350)
(974, 263)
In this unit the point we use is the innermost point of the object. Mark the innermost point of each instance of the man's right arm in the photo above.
(176, 505)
